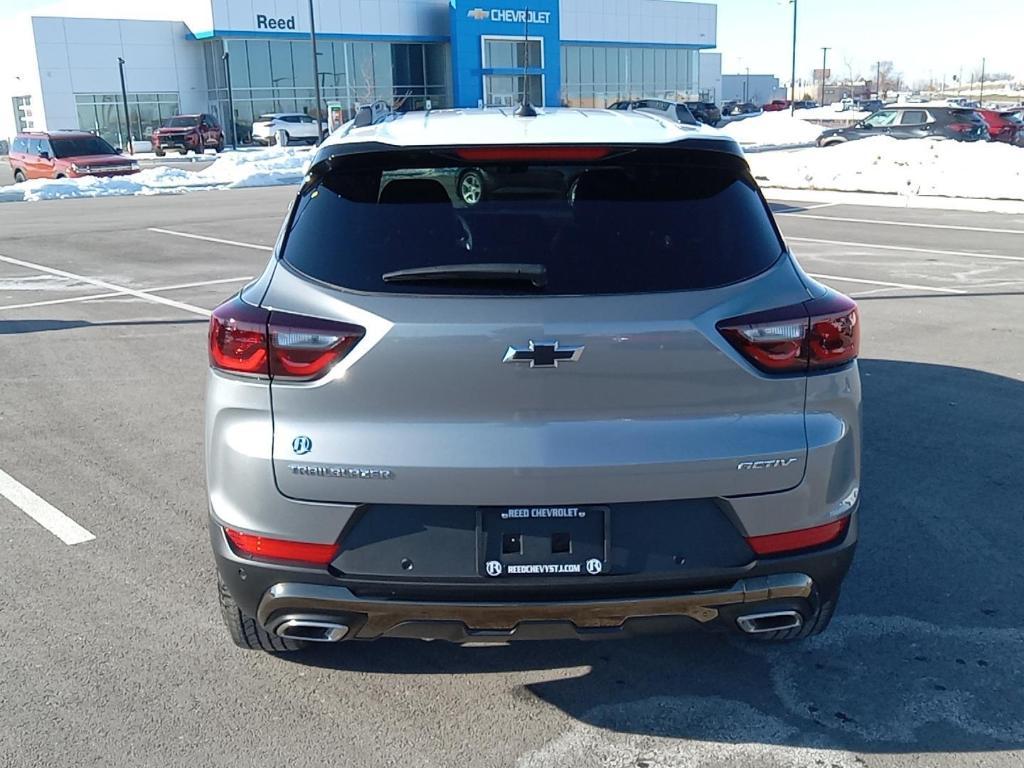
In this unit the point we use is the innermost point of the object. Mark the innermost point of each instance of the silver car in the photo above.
(595, 396)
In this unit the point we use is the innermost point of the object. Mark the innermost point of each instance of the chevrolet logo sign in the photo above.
(479, 14)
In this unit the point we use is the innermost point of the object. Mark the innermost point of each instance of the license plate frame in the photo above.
(540, 531)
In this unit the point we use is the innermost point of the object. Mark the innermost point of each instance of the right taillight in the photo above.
(816, 335)
(251, 341)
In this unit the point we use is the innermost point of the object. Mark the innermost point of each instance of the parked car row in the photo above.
(917, 121)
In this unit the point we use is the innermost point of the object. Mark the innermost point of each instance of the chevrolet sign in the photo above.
(511, 16)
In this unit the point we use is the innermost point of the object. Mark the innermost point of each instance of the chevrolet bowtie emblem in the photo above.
(543, 354)
(479, 14)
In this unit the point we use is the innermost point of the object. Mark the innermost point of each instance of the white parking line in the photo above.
(907, 286)
(906, 249)
(44, 513)
(899, 223)
(113, 294)
(110, 286)
(208, 239)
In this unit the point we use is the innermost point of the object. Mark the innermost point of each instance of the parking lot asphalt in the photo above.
(114, 654)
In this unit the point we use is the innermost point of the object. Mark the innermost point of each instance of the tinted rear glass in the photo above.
(181, 122)
(80, 146)
(607, 228)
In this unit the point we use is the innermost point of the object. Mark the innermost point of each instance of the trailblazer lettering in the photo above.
(511, 16)
(346, 473)
(269, 22)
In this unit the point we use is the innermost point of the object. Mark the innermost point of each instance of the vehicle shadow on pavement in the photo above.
(926, 653)
(11, 327)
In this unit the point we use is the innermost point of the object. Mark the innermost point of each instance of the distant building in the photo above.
(62, 72)
(759, 89)
(711, 76)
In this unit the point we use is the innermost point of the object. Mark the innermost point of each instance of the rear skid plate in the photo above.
(383, 615)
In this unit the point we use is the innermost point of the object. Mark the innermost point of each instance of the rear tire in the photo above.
(246, 632)
(815, 626)
(19, 177)
(159, 152)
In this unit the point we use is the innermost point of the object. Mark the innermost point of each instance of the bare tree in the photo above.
(890, 79)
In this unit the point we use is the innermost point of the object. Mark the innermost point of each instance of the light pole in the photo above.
(746, 87)
(231, 102)
(824, 69)
(792, 103)
(981, 89)
(124, 98)
(316, 76)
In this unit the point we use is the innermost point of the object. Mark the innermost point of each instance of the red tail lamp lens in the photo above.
(252, 341)
(305, 348)
(238, 338)
(263, 548)
(816, 335)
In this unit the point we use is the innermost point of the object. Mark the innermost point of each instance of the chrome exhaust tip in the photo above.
(778, 621)
(311, 631)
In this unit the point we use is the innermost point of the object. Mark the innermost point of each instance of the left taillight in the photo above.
(248, 340)
(238, 338)
(816, 335)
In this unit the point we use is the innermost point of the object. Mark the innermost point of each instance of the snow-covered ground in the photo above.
(983, 170)
(230, 170)
(772, 129)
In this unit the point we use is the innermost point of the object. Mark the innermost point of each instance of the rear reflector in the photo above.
(572, 154)
(251, 341)
(262, 548)
(793, 541)
(816, 335)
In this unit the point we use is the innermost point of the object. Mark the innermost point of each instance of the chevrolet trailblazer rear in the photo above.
(530, 377)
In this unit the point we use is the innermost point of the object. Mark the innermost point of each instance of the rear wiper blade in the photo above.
(535, 274)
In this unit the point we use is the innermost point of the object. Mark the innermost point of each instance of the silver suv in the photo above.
(514, 377)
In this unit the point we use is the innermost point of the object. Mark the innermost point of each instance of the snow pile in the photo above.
(772, 129)
(831, 112)
(981, 170)
(231, 170)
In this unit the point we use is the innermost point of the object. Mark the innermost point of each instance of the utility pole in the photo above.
(824, 69)
(981, 90)
(746, 87)
(316, 76)
(127, 119)
(878, 78)
(231, 101)
(792, 103)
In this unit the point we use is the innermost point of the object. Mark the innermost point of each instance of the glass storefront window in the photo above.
(276, 76)
(102, 113)
(600, 75)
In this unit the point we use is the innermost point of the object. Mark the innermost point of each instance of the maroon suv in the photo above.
(185, 132)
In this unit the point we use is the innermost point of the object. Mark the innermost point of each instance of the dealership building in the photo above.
(63, 72)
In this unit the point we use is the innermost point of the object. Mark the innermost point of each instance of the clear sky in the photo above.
(924, 38)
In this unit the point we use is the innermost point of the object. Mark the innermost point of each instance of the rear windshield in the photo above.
(607, 228)
(80, 146)
(181, 121)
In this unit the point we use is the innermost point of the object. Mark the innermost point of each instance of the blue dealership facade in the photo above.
(409, 53)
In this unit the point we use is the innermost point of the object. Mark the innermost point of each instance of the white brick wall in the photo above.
(639, 21)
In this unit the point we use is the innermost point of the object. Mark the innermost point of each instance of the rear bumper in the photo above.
(584, 608)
